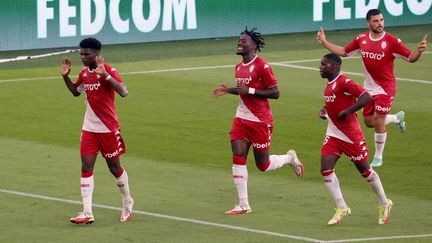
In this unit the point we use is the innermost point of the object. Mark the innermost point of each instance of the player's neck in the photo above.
(249, 57)
(375, 35)
(92, 67)
(332, 77)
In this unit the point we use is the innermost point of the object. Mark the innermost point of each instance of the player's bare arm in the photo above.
(118, 87)
(421, 47)
(360, 103)
(270, 93)
(65, 70)
(223, 90)
(321, 38)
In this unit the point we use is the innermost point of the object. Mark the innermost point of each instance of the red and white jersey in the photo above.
(378, 59)
(256, 74)
(340, 94)
(100, 115)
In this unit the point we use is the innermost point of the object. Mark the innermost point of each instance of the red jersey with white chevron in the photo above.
(378, 59)
(100, 115)
(256, 74)
(340, 94)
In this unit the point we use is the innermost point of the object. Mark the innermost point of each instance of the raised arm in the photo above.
(338, 50)
(421, 47)
(65, 70)
(120, 88)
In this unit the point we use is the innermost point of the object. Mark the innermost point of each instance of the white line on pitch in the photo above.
(163, 216)
(201, 222)
(379, 238)
(284, 64)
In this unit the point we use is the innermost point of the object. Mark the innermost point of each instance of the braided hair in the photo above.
(256, 37)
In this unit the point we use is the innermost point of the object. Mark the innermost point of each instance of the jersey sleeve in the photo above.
(79, 83)
(353, 88)
(113, 72)
(399, 50)
(267, 76)
(352, 48)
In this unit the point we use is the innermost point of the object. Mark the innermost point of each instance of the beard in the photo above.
(378, 30)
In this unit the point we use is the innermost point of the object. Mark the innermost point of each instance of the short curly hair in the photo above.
(91, 43)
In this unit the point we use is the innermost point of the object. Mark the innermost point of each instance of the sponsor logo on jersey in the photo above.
(329, 98)
(372, 55)
(261, 145)
(92, 87)
(380, 108)
(383, 44)
(244, 80)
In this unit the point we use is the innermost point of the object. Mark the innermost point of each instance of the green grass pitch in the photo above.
(178, 153)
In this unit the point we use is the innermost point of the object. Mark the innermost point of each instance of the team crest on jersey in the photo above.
(251, 68)
(334, 86)
(383, 44)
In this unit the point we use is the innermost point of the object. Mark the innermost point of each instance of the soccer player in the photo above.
(101, 128)
(378, 50)
(253, 122)
(343, 97)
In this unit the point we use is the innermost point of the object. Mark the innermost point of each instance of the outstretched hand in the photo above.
(422, 45)
(220, 90)
(65, 66)
(100, 66)
(321, 36)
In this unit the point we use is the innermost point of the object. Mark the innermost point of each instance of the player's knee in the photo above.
(262, 166)
(86, 167)
(369, 124)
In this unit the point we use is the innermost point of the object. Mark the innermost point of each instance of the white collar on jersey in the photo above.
(372, 39)
(335, 78)
(245, 64)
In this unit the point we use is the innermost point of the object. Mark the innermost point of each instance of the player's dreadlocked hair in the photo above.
(91, 43)
(256, 37)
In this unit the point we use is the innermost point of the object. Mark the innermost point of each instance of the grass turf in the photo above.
(178, 154)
